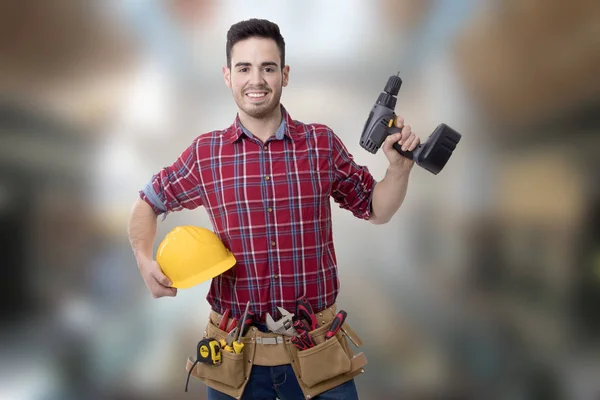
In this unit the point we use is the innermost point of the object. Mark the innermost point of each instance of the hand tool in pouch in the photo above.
(207, 352)
(249, 321)
(303, 340)
(285, 326)
(336, 324)
(232, 325)
(305, 311)
(224, 319)
(239, 346)
(227, 343)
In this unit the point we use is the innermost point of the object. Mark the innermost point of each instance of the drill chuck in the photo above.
(393, 85)
(387, 98)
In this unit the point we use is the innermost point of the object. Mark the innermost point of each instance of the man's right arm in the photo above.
(142, 233)
(142, 229)
(173, 188)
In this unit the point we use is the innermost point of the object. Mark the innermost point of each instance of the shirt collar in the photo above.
(286, 128)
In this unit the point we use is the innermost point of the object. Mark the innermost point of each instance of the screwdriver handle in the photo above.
(306, 312)
(336, 324)
(224, 319)
(238, 347)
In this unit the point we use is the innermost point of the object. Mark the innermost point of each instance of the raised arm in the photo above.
(389, 194)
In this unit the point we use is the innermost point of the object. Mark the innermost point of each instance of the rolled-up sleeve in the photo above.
(175, 187)
(353, 185)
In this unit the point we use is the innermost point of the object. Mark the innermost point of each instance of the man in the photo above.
(266, 183)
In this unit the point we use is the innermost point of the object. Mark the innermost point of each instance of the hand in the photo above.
(158, 284)
(407, 139)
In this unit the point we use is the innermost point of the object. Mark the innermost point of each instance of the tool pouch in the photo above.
(231, 376)
(330, 362)
(326, 360)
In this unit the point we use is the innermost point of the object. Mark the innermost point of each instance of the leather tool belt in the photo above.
(326, 365)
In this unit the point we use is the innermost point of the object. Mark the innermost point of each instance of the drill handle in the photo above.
(397, 147)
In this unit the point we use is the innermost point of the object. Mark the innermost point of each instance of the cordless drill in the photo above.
(431, 155)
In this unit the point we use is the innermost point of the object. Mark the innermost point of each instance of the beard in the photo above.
(261, 108)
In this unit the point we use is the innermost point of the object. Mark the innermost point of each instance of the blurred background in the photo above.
(485, 285)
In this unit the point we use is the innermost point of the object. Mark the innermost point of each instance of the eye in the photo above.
(269, 69)
(243, 69)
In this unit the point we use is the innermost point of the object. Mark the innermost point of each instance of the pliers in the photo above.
(223, 325)
(227, 343)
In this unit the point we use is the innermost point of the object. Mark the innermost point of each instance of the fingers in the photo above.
(390, 140)
(407, 137)
(162, 278)
(159, 291)
(413, 143)
(399, 121)
(160, 285)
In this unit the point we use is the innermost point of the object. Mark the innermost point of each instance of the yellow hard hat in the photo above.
(190, 255)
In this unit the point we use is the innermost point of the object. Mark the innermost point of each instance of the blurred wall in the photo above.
(484, 285)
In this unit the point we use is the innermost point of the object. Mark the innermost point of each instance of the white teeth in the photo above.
(256, 95)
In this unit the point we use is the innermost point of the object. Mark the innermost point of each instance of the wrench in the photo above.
(284, 326)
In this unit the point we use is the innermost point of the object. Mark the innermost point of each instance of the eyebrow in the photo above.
(264, 64)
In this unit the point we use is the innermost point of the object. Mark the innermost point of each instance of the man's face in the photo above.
(255, 77)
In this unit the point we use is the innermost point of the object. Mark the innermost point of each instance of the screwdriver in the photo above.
(239, 346)
(336, 324)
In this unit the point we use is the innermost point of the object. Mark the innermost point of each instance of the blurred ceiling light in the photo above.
(147, 106)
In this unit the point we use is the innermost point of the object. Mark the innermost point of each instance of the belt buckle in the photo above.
(269, 340)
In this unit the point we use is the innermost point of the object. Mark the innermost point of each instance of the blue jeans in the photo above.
(270, 383)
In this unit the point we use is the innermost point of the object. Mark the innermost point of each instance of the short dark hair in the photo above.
(254, 28)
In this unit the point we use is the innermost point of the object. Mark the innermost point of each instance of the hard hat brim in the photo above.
(203, 276)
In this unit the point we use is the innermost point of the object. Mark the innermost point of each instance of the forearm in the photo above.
(142, 230)
(388, 195)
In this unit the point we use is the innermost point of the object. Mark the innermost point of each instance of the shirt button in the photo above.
(269, 209)
(272, 243)
(264, 148)
(267, 177)
(275, 276)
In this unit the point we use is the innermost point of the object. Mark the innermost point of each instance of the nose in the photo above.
(256, 77)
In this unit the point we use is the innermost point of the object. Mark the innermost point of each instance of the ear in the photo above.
(286, 75)
(227, 76)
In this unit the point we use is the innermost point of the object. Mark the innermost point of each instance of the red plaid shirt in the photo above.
(270, 205)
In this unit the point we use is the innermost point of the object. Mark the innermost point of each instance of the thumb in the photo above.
(390, 140)
(399, 122)
(162, 278)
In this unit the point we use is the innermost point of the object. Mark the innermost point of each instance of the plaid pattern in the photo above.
(270, 205)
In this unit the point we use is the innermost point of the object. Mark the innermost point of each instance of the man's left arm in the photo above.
(389, 194)
(356, 190)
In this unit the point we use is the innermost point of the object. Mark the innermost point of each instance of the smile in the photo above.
(256, 95)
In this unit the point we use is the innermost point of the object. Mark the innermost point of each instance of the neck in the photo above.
(265, 127)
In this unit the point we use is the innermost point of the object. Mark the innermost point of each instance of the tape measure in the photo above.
(207, 352)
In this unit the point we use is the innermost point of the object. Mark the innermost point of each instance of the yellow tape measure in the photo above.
(208, 352)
